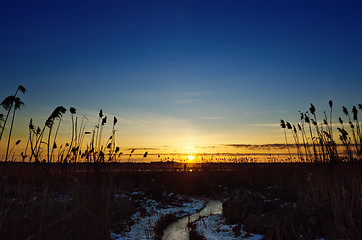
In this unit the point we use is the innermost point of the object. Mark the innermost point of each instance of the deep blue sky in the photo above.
(191, 72)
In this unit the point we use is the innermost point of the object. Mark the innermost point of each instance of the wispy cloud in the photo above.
(144, 149)
(271, 146)
(153, 121)
(258, 146)
(212, 118)
(262, 125)
(263, 112)
(185, 101)
(206, 147)
(191, 94)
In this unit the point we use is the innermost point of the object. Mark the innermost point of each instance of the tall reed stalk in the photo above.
(282, 125)
(17, 105)
(8, 105)
(325, 148)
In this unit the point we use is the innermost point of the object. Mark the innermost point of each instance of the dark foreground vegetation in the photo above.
(280, 201)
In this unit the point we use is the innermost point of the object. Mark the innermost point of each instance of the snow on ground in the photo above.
(215, 228)
(144, 222)
(212, 227)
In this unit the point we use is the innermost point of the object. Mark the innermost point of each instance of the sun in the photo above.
(190, 157)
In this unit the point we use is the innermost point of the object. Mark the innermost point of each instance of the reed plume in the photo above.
(345, 111)
(282, 125)
(71, 148)
(56, 114)
(17, 105)
(100, 116)
(307, 120)
(359, 136)
(129, 157)
(7, 104)
(305, 140)
(324, 146)
(113, 142)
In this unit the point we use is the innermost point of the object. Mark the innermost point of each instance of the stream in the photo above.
(179, 230)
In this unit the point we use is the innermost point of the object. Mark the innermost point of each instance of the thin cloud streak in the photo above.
(262, 125)
(277, 146)
(185, 101)
(212, 118)
(271, 146)
(264, 112)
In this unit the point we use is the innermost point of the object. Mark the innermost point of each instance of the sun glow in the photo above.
(190, 157)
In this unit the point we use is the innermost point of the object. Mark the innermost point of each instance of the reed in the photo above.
(324, 147)
(7, 104)
(283, 125)
(17, 103)
(56, 114)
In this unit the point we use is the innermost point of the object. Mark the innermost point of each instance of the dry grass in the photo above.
(325, 200)
(325, 204)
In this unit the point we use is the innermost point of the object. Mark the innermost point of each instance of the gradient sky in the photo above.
(182, 73)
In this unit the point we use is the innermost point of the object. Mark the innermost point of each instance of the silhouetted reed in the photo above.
(8, 104)
(325, 148)
(283, 125)
(17, 103)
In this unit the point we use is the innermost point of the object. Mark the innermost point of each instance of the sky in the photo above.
(181, 75)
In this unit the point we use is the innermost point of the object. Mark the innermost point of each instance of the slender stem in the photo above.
(7, 114)
(48, 147)
(286, 140)
(11, 129)
(55, 138)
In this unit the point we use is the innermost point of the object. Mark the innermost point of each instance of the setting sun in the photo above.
(190, 157)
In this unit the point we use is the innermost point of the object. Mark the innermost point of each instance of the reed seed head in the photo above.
(18, 103)
(312, 109)
(330, 103)
(340, 120)
(57, 113)
(301, 115)
(282, 123)
(345, 111)
(355, 113)
(327, 134)
(72, 110)
(31, 126)
(306, 118)
(104, 120)
(22, 89)
(8, 102)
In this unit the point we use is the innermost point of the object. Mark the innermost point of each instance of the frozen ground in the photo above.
(144, 222)
(212, 227)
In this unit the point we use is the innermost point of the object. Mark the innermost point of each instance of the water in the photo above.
(179, 230)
